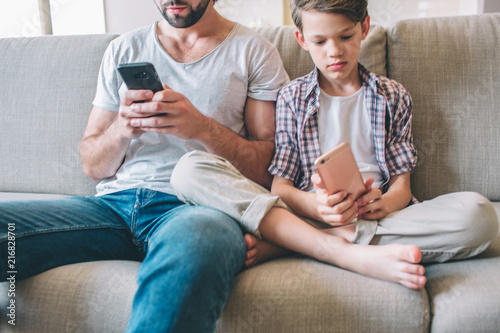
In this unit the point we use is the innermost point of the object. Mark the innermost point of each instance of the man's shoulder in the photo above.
(134, 36)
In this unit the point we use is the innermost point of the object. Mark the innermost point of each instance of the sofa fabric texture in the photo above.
(451, 68)
(48, 87)
(453, 76)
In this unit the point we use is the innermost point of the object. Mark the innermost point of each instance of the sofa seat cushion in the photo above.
(87, 297)
(295, 294)
(290, 294)
(464, 294)
(285, 295)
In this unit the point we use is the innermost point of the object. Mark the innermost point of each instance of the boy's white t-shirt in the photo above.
(346, 119)
(244, 65)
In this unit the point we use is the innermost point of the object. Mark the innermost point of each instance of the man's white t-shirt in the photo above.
(244, 65)
(346, 119)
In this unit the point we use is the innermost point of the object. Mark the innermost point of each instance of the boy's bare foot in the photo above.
(260, 250)
(397, 263)
(394, 262)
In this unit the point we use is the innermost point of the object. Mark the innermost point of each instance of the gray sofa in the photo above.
(451, 66)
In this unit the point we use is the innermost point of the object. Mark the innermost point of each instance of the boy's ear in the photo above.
(300, 39)
(365, 27)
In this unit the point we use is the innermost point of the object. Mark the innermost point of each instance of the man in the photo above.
(221, 81)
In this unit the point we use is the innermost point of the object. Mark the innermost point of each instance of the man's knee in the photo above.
(203, 237)
(223, 245)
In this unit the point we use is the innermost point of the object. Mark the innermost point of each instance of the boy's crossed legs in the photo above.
(453, 226)
(397, 263)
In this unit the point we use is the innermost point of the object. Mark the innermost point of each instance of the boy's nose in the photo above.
(335, 50)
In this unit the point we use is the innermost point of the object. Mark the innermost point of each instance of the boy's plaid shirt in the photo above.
(297, 140)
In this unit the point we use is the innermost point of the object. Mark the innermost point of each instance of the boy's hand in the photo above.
(337, 209)
(371, 204)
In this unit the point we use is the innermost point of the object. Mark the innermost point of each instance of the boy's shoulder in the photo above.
(381, 84)
(303, 84)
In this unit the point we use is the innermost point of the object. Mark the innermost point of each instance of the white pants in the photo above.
(452, 226)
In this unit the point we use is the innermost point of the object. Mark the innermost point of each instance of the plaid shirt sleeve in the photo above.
(286, 160)
(401, 155)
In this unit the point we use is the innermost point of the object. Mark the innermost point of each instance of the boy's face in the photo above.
(334, 43)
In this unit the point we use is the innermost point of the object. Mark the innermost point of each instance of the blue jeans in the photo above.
(190, 254)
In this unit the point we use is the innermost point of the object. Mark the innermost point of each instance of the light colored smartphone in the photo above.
(339, 171)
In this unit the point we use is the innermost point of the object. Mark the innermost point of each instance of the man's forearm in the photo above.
(102, 154)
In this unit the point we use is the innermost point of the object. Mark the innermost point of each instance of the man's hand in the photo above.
(108, 135)
(337, 209)
(127, 114)
(168, 112)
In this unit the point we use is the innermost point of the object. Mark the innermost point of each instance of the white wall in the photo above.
(72, 17)
(386, 12)
(127, 15)
(382, 12)
(252, 12)
(21, 18)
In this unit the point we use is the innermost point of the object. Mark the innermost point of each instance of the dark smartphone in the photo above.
(140, 75)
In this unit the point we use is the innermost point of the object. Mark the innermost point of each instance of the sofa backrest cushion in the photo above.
(451, 68)
(46, 91)
(298, 62)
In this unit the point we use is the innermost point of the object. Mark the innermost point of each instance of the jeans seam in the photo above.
(64, 229)
(133, 218)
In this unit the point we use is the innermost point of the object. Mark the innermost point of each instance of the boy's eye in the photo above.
(319, 42)
(346, 37)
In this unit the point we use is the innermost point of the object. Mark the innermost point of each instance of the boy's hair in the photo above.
(354, 10)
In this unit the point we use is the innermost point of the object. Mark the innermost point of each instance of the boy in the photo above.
(342, 101)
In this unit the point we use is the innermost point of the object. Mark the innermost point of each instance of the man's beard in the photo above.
(191, 19)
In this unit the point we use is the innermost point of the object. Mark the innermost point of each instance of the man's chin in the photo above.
(188, 17)
(180, 22)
